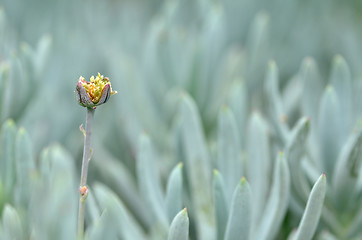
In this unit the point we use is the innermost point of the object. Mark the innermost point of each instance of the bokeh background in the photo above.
(152, 43)
(153, 51)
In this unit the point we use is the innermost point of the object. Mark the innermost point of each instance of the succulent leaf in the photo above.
(238, 224)
(179, 229)
(7, 157)
(259, 164)
(148, 179)
(295, 149)
(12, 226)
(117, 222)
(174, 192)
(330, 128)
(277, 204)
(313, 210)
(198, 167)
(228, 160)
(221, 205)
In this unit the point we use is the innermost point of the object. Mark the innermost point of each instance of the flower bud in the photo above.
(83, 190)
(83, 193)
(95, 92)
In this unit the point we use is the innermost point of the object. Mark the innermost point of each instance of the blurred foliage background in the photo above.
(114, 36)
(154, 52)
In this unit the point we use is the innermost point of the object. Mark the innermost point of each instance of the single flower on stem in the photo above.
(89, 94)
(95, 92)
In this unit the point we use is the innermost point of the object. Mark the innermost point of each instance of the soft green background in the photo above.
(171, 63)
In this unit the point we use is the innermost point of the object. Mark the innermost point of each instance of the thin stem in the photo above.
(83, 178)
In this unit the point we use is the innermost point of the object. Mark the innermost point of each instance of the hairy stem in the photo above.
(83, 178)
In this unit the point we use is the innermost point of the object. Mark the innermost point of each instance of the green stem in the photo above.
(83, 178)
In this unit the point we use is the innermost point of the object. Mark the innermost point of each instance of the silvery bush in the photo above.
(233, 119)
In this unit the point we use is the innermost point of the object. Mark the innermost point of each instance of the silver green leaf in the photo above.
(117, 221)
(312, 88)
(340, 79)
(238, 103)
(42, 54)
(148, 180)
(329, 129)
(278, 200)
(4, 78)
(11, 224)
(102, 228)
(197, 167)
(2, 197)
(346, 171)
(294, 151)
(258, 162)
(221, 205)
(228, 159)
(257, 45)
(238, 224)
(25, 167)
(114, 173)
(54, 195)
(174, 192)
(179, 229)
(313, 210)
(355, 226)
(92, 209)
(276, 108)
(7, 157)
(325, 235)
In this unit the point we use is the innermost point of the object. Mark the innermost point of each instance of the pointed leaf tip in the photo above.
(338, 59)
(329, 88)
(180, 165)
(238, 223)
(179, 229)
(272, 65)
(225, 108)
(313, 210)
(243, 180)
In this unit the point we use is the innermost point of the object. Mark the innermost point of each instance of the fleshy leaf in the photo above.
(197, 167)
(329, 128)
(221, 206)
(346, 171)
(7, 157)
(238, 224)
(174, 192)
(179, 229)
(4, 78)
(277, 204)
(117, 222)
(148, 179)
(54, 196)
(11, 224)
(257, 45)
(294, 152)
(276, 108)
(312, 88)
(114, 173)
(238, 103)
(25, 166)
(228, 159)
(313, 210)
(259, 164)
(340, 79)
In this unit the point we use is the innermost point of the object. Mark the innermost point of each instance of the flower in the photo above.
(95, 92)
